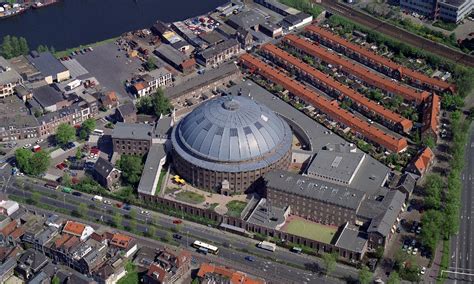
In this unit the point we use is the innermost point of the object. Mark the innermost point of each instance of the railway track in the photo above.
(398, 33)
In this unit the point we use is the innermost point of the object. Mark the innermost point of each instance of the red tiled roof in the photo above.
(111, 96)
(341, 88)
(188, 63)
(156, 272)
(356, 69)
(414, 75)
(121, 240)
(61, 240)
(139, 86)
(332, 109)
(424, 159)
(9, 228)
(17, 233)
(71, 242)
(236, 277)
(430, 117)
(74, 228)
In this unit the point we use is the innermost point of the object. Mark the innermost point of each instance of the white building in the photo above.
(8, 207)
(9, 78)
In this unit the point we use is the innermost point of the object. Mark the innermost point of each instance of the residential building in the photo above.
(78, 229)
(245, 38)
(132, 139)
(50, 99)
(278, 7)
(271, 29)
(109, 100)
(50, 68)
(16, 121)
(148, 84)
(8, 207)
(218, 53)
(30, 263)
(126, 113)
(151, 175)
(421, 162)
(210, 273)
(9, 78)
(431, 112)
(7, 269)
(167, 266)
(422, 7)
(110, 274)
(292, 22)
(124, 243)
(106, 174)
(74, 114)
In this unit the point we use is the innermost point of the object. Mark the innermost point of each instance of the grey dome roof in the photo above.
(231, 129)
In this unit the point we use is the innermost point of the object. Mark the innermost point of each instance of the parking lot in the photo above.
(110, 66)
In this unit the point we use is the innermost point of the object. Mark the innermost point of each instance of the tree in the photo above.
(365, 275)
(132, 213)
(132, 225)
(433, 187)
(161, 104)
(42, 48)
(6, 49)
(379, 252)
(151, 232)
(39, 163)
(78, 153)
(150, 63)
(88, 125)
(65, 133)
(66, 180)
(24, 49)
(329, 262)
(432, 221)
(117, 220)
(131, 167)
(55, 280)
(429, 142)
(35, 197)
(167, 237)
(83, 134)
(23, 157)
(81, 209)
(394, 278)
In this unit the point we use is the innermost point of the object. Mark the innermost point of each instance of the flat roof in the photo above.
(328, 81)
(330, 108)
(357, 69)
(266, 215)
(378, 58)
(246, 19)
(336, 166)
(14, 113)
(150, 170)
(7, 73)
(47, 96)
(212, 37)
(132, 131)
(371, 174)
(210, 76)
(352, 239)
(46, 63)
(314, 188)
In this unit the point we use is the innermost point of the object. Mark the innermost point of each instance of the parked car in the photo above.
(423, 270)
(250, 258)
(177, 221)
(177, 236)
(76, 193)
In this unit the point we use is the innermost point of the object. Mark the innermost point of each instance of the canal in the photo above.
(71, 23)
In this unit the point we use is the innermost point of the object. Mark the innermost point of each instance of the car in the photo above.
(144, 212)
(76, 193)
(250, 258)
(410, 208)
(177, 236)
(177, 221)
(27, 146)
(127, 206)
(415, 251)
(405, 247)
(423, 270)
(107, 202)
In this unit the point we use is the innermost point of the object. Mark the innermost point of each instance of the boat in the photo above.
(45, 3)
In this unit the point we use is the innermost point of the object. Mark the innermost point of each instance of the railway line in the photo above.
(398, 33)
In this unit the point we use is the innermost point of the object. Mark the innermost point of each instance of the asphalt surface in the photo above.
(398, 33)
(462, 256)
(271, 265)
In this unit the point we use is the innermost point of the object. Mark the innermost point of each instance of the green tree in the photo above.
(6, 49)
(151, 232)
(78, 153)
(329, 260)
(39, 163)
(15, 46)
(150, 63)
(132, 213)
(88, 125)
(117, 220)
(81, 209)
(167, 238)
(394, 278)
(433, 187)
(132, 225)
(83, 134)
(35, 197)
(65, 133)
(24, 49)
(55, 280)
(161, 104)
(23, 157)
(131, 167)
(432, 222)
(365, 275)
(42, 48)
(66, 180)
(379, 252)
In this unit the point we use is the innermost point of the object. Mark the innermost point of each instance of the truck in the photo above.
(267, 246)
(36, 148)
(98, 198)
(74, 84)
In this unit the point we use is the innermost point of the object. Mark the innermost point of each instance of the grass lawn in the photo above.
(131, 277)
(160, 181)
(190, 197)
(170, 190)
(311, 230)
(235, 207)
(68, 51)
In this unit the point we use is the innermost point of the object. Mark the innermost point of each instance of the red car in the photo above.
(119, 205)
(61, 166)
(177, 221)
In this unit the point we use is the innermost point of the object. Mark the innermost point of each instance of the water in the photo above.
(71, 23)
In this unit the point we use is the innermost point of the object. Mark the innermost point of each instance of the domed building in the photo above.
(229, 142)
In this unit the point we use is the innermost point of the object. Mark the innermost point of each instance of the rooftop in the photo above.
(126, 109)
(212, 37)
(218, 48)
(103, 167)
(246, 19)
(46, 63)
(313, 188)
(352, 239)
(340, 167)
(47, 96)
(210, 76)
(147, 180)
(7, 73)
(267, 215)
(74, 228)
(390, 206)
(121, 240)
(171, 54)
(14, 114)
(132, 131)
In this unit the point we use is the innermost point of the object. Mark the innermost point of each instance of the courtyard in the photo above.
(310, 230)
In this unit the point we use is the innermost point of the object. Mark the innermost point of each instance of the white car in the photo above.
(415, 251)
(27, 146)
(39, 141)
(144, 212)
(423, 270)
(107, 202)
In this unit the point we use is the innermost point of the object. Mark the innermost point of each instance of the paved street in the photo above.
(462, 256)
(236, 253)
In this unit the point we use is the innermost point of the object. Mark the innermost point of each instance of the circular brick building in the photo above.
(228, 143)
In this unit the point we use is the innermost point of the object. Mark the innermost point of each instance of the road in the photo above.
(398, 33)
(462, 256)
(240, 247)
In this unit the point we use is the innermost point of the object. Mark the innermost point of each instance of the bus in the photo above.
(67, 189)
(202, 247)
(267, 246)
(98, 132)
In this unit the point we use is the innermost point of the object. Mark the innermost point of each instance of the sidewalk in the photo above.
(434, 270)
